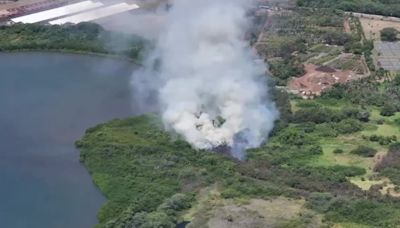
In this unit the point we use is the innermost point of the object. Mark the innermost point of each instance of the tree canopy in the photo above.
(389, 34)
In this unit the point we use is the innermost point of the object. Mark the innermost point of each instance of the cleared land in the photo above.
(372, 26)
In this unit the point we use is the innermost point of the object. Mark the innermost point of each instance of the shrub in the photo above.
(176, 203)
(338, 151)
(230, 193)
(294, 137)
(319, 202)
(364, 151)
(316, 115)
(383, 140)
(348, 126)
(380, 121)
(316, 150)
(355, 113)
(364, 211)
(389, 34)
(388, 110)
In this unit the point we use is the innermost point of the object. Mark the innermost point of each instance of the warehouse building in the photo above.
(57, 12)
(61, 12)
(96, 14)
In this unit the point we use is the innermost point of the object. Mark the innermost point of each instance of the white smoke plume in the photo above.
(210, 88)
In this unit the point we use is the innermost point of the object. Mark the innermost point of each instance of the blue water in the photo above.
(47, 101)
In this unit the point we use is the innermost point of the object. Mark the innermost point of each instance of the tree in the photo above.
(388, 110)
(396, 80)
(389, 34)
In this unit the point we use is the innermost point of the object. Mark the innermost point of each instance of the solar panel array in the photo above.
(389, 55)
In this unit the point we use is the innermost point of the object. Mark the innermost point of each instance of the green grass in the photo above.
(375, 115)
(388, 128)
(329, 158)
(384, 130)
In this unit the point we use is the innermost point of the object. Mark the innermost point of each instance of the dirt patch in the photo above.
(253, 213)
(379, 157)
(347, 27)
(318, 79)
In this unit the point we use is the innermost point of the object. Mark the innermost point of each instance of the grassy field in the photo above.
(387, 127)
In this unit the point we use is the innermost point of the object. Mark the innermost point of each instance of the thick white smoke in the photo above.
(210, 89)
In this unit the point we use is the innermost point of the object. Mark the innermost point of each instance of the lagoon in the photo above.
(47, 100)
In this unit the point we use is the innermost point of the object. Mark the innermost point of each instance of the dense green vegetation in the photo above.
(381, 7)
(83, 37)
(151, 177)
(369, 91)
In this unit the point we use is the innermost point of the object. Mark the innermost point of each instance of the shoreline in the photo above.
(70, 51)
(95, 55)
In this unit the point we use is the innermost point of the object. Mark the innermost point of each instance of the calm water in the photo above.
(46, 102)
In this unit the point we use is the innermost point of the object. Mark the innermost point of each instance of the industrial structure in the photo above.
(67, 11)
(57, 12)
(96, 13)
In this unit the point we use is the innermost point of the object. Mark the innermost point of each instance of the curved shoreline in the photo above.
(70, 92)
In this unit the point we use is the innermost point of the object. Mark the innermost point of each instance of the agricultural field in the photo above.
(292, 38)
(297, 42)
(372, 25)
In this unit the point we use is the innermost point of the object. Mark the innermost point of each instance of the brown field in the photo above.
(372, 26)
